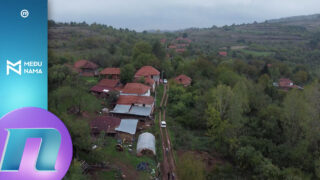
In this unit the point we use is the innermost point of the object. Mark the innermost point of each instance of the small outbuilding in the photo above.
(127, 129)
(146, 144)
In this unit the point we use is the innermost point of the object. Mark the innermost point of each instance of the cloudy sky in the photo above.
(176, 14)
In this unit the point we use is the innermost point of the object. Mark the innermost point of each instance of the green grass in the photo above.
(159, 91)
(107, 174)
(126, 157)
(257, 53)
(91, 80)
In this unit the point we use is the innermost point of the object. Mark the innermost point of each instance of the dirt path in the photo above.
(168, 165)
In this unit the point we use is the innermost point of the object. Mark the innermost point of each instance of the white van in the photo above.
(163, 124)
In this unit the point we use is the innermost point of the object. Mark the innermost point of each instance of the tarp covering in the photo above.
(128, 126)
(146, 141)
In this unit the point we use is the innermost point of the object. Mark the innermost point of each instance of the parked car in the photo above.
(165, 81)
(163, 124)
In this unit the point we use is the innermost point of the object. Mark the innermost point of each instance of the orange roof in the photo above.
(135, 88)
(147, 71)
(285, 82)
(223, 53)
(85, 64)
(148, 81)
(108, 82)
(128, 100)
(110, 71)
(183, 79)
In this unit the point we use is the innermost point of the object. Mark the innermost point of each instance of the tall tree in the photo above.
(127, 73)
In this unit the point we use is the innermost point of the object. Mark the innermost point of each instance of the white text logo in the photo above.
(10, 66)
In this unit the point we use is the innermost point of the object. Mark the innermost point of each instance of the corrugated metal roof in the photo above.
(128, 126)
(132, 110)
(121, 108)
(140, 111)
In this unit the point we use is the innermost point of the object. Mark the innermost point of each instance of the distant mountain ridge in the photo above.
(296, 18)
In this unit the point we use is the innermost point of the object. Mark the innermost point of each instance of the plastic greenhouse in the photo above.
(146, 144)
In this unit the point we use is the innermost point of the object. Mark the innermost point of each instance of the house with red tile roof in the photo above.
(184, 80)
(286, 84)
(111, 73)
(181, 39)
(107, 124)
(223, 53)
(105, 86)
(148, 72)
(136, 89)
(172, 47)
(86, 68)
(180, 50)
(147, 81)
(136, 100)
(179, 44)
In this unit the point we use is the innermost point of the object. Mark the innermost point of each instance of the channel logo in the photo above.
(34, 145)
(12, 66)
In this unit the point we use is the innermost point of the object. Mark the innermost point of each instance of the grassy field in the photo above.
(107, 175)
(91, 80)
(256, 53)
(126, 160)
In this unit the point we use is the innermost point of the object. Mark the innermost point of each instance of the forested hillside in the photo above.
(235, 121)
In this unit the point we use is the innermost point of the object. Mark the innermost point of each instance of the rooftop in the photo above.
(105, 123)
(128, 126)
(110, 71)
(135, 88)
(147, 71)
(129, 100)
(109, 82)
(132, 110)
(85, 64)
(183, 79)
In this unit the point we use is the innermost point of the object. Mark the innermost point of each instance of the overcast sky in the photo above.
(176, 14)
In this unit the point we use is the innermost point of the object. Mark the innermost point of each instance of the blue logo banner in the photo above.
(23, 54)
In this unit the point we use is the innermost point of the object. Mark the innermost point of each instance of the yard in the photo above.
(126, 161)
(256, 53)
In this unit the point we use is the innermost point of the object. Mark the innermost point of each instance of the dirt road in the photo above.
(168, 164)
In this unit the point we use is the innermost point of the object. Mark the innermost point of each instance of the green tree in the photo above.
(190, 168)
(141, 48)
(216, 126)
(75, 172)
(127, 73)
(74, 100)
(296, 116)
(158, 50)
(221, 99)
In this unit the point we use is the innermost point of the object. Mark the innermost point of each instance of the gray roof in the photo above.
(128, 126)
(141, 111)
(121, 108)
(132, 110)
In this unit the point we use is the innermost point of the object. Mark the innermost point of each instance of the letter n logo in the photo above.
(11, 66)
(15, 144)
